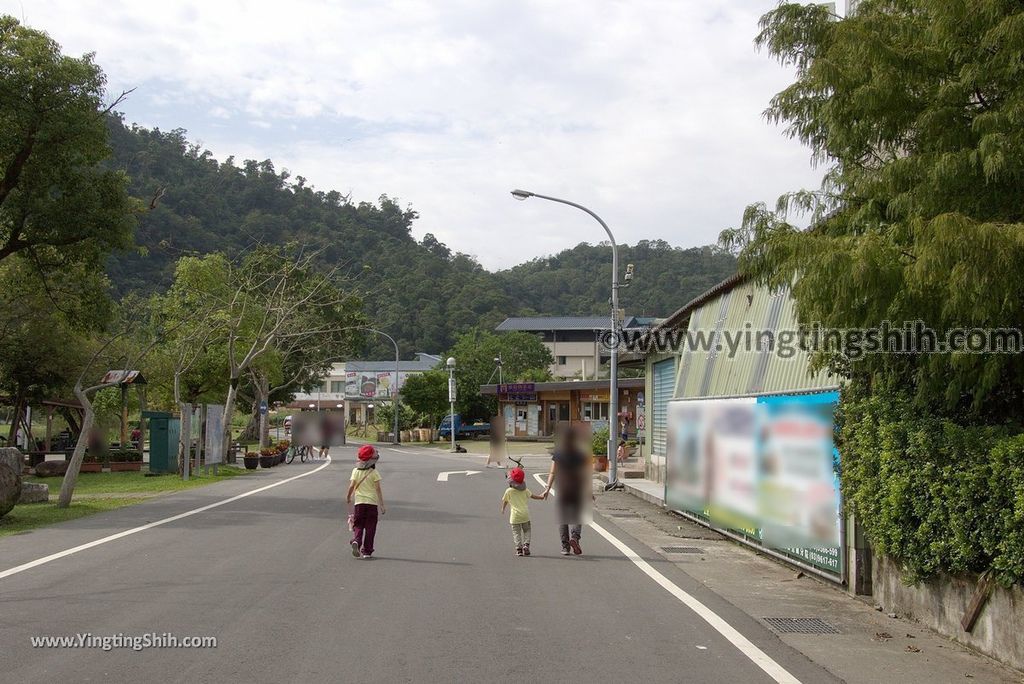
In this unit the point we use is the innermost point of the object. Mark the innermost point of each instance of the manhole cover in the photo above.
(802, 625)
(682, 549)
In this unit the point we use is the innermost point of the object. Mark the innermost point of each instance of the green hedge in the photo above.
(932, 494)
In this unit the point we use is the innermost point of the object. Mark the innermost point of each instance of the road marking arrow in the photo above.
(443, 477)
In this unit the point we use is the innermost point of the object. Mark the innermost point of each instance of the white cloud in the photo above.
(648, 111)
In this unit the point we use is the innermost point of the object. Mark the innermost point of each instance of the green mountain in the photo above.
(419, 291)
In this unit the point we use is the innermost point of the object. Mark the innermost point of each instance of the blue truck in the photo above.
(444, 430)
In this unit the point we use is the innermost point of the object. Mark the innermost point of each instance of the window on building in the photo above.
(338, 386)
(595, 410)
(561, 360)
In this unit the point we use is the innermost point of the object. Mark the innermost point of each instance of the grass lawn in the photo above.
(97, 492)
(27, 517)
(133, 483)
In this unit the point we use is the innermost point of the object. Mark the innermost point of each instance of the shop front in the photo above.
(531, 411)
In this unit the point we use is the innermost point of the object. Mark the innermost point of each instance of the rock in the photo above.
(10, 479)
(51, 468)
(34, 492)
(12, 458)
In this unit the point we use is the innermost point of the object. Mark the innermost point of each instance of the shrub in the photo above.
(934, 495)
(599, 442)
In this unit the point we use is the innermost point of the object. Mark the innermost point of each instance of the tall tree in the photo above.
(57, 200)
(523, 357)
(916, 108)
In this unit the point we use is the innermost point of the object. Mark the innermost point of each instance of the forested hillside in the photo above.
(420, 292)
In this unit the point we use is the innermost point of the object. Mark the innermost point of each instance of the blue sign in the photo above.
(263, 408)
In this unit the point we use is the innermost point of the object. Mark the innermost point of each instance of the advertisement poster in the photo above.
(763, 466)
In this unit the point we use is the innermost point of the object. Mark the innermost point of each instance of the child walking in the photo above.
(365, 485)
(517, 497)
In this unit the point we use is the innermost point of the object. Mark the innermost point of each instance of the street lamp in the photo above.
(451, 398)
(394, 401)
(613, 403)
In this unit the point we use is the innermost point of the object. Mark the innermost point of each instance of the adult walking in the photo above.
(496, 452)
(570, 476)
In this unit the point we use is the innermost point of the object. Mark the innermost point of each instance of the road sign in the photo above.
(641, 421)
(263, 408)
(451, 390)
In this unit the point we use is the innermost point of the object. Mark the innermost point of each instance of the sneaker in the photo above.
(526, 550)
(575, 544)
(565, 550)
(355, 548)
(519, 551)
(367, 556)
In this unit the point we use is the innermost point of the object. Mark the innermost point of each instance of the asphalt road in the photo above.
(271, 576)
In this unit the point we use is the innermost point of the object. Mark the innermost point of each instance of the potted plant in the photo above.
(251, 459)
(282, 450)
(125, 460)
(268, 458)
(599, 445)
(92, 462)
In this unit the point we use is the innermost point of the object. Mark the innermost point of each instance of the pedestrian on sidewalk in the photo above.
(496, 452)
(570, 473)
(622, 453)
(517, 497)
(364, 486)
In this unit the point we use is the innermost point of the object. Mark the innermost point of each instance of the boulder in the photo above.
(34, 492)
(10, 479)
(51, 468)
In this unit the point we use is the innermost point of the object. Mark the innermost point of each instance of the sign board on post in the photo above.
(263, 408)
(451, 390)
(215, 435)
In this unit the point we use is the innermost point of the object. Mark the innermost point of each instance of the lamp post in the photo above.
(394, 400)
(613, 389)
(451, 398)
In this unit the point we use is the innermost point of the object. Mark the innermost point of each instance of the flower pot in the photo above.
(125, 466)
(91, 468)
(251, 462)
(267, 462)
(600, 463)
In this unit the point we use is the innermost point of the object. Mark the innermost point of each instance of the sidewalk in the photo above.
(869, 646)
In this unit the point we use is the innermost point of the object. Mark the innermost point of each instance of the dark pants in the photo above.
(364, 526)
(570, 518)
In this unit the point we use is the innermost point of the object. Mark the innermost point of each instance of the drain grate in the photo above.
(801, 625)
(624, 515)
(682, 549)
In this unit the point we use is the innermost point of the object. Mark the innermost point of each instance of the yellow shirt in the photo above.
(366, 492)
(519, 503)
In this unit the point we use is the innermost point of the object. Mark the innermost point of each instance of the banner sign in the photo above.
(214, 447)
(765, 467)
(518, 391)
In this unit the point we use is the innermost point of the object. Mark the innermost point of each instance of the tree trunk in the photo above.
(229, 411)
(67, 488)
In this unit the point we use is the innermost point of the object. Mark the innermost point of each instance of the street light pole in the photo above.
(394, 401)
(613, 389)
(451, 398)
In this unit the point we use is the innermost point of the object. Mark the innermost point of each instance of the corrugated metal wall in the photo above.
(663, 381)
(707, 368)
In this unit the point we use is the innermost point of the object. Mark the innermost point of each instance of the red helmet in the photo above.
(517, 475)
(366, 452)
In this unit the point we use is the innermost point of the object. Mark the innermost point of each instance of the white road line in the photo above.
(82, 547)
(443, 477)
(756, 655)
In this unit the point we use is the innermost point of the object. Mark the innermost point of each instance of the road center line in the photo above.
(195, 511)
(756, 655)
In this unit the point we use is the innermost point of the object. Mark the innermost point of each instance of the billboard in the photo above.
(765, 467)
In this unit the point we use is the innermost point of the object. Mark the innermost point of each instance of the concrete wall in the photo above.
(940, 603)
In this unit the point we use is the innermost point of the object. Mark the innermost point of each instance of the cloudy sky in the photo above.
(647, 111)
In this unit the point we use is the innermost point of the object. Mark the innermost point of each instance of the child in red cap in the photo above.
(365, 485)
(517, 497)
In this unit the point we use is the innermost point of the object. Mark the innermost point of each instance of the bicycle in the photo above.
(304, 452)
